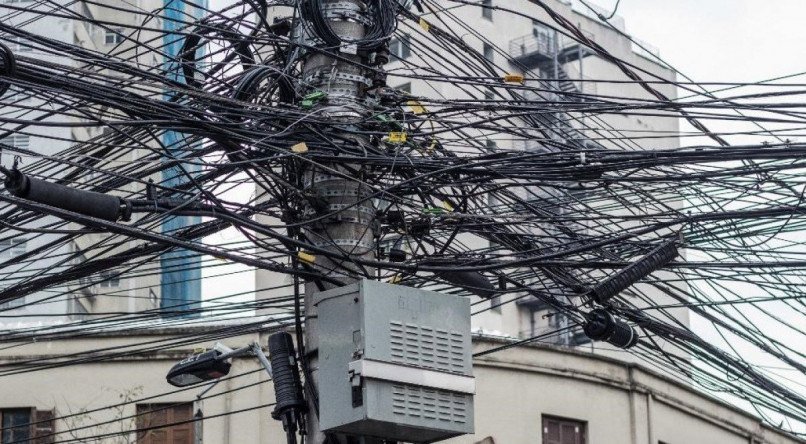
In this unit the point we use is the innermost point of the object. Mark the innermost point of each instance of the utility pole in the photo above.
(335, 78)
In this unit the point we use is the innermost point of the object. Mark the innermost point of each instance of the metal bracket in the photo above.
(404, 374)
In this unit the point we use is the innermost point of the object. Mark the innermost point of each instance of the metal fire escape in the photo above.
(542, 53)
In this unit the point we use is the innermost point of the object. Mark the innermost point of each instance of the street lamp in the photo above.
(212, 364)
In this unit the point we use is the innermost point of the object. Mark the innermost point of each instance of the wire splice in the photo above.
(624, 278)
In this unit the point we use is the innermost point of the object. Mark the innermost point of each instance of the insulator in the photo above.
(419, 227)
(285, 375)
(395, 217)
(471, 281)
(633, 273)
(603, 326)
(88, 203)
(8, 66)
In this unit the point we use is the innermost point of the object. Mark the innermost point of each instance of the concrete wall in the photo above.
(620, 403)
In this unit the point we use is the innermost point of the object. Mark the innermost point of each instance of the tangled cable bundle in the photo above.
(316, 13)
(578, 199)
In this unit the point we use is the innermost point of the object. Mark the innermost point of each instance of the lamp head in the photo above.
(198, 368)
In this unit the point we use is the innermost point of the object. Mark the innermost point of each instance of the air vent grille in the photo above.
(429, 404)
(428, 347)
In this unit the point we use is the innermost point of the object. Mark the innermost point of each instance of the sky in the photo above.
(725, 40)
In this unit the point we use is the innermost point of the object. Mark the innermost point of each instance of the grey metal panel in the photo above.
(402, 326)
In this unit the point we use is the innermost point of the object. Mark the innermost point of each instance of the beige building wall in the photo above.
(618, 403)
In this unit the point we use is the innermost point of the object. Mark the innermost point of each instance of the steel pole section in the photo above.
(339, 73)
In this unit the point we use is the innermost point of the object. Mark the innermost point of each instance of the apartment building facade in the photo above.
(177, 280)
(524, 395)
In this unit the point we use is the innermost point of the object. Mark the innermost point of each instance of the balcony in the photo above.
(533, 49)
(540, 49)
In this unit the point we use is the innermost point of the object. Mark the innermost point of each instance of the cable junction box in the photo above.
(395, 362)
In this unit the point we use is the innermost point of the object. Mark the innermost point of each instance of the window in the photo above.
(563, 431)
(113, 37)
(23, 424)
(12, 247)
(110, 279)
(489, 52)
(406, 87)
(16, 425)
(495, 304)
(16, 46)
(17, 141)
(164, 423)
(400, 48)
(486, 11)
(76, 309)
(13, 303)
(15, 95)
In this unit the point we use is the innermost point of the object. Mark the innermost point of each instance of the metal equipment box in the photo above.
(394, 362)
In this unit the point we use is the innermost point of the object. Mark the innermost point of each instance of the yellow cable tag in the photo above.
(425, 25)
(513, 78)
(396, 137)
(306, 257)
(447, 205)
(395, 279)
(416, 107)
(300, 148)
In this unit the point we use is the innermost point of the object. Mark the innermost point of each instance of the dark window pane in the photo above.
(563, 431)
(16, 425)
(489, 52)
(406, 87)
(400, 47)
(485, 11)
(172, 416)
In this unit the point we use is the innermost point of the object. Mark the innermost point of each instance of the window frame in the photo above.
(144, 421)
(109, 279)
(39, 425)
(400, 46)
(13, 247)
(17, 140)
(116, 34)
(13, 429)
(488, 51)
(487, 13)
(582, 424)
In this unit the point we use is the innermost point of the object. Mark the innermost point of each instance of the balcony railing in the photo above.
(539, 47)
(531, 44)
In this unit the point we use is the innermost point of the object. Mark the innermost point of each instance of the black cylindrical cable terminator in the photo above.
(287, 385)
(88, 203)
(634, 272)
(603, 326)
